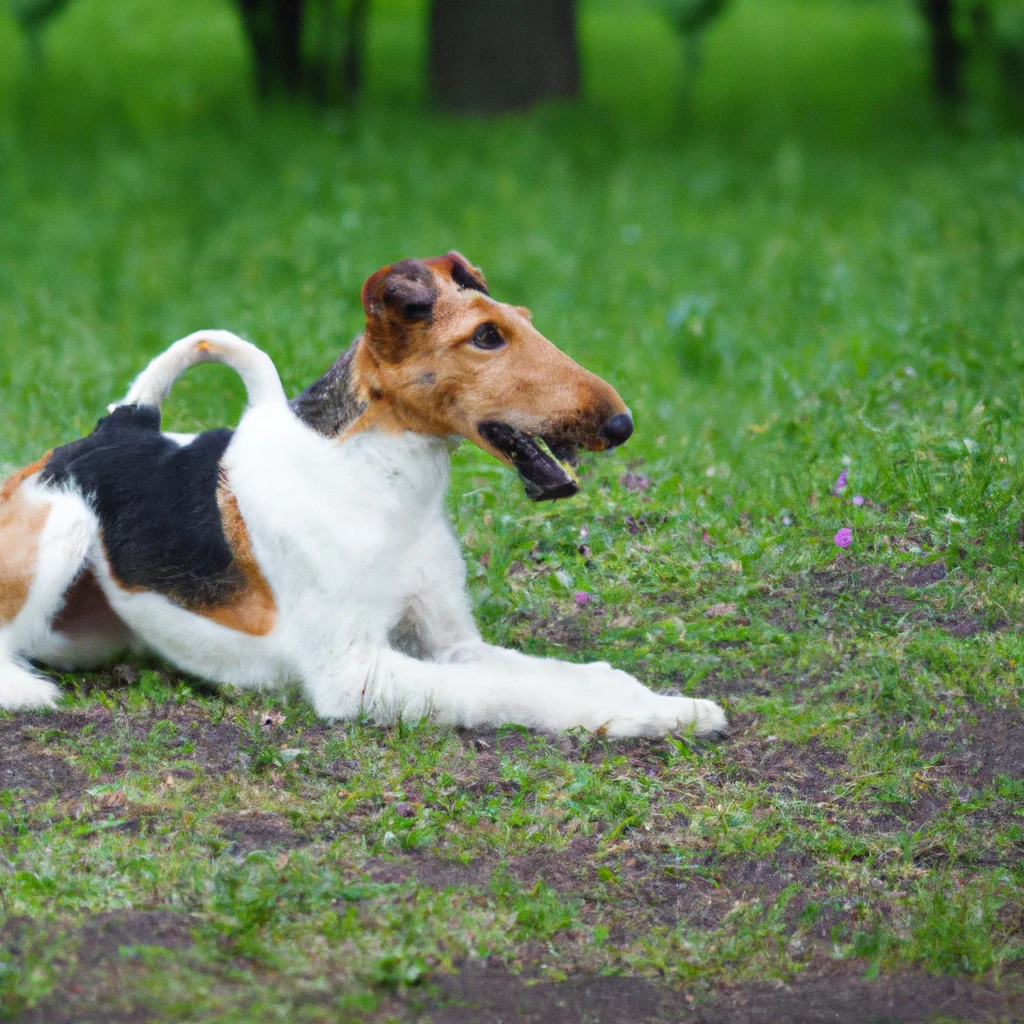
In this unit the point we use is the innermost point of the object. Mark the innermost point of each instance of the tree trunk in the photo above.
(946, 48)
(494, 55)
(307, 47)
(355, 48)
(274, 28)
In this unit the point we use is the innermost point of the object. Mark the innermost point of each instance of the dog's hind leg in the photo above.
(45, 539)
(253, 365)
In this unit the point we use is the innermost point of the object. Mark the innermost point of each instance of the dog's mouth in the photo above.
(547, 465)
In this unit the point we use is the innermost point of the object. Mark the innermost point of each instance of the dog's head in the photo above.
(440, 356)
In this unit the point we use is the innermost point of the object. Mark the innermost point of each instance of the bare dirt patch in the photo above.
(215, 746)
(575, 631)
(435, 872)
(93, 991)
(808, 771)
(568, 870)
(873, 591)
(838, 992)
(26, 767)
(661, 888)
(260, 831)
(984, 745)
(485, 993)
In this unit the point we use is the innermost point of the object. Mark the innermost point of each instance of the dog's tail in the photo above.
(253, 365)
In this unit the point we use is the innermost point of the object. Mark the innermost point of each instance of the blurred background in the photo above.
(741, 212)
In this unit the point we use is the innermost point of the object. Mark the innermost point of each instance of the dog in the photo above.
(310, 544)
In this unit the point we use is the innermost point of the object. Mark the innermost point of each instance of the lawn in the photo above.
(797, 270)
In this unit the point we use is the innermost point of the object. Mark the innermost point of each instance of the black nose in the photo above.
(617, 430)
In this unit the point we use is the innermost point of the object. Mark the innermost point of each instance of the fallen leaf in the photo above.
(718, 611)
(271, 719)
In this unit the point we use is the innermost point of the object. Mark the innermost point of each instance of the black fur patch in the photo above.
(465, 278)
(410, 291)
(157, 505)
(329, 404)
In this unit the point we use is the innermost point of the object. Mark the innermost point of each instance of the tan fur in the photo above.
(14, 481)
(21, 523)
(253, 609)
(427, 377)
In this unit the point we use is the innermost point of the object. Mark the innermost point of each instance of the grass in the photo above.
(798, 268)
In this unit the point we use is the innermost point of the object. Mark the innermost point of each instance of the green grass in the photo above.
(796, 268)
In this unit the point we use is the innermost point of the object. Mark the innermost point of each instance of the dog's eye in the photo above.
(486, 336)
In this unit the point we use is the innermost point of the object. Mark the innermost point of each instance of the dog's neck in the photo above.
(330, 404)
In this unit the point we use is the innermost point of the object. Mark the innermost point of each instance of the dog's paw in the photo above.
(23, 691)
(710, 721)
(661, 716)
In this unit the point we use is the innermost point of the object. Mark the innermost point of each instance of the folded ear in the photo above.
(460, 270)
(394, 299)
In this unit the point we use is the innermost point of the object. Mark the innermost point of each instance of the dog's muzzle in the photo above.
(547, 465)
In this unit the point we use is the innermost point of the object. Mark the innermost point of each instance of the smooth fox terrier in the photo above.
(311, 544)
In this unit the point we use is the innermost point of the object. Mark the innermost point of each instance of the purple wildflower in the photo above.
(858, 499)
(844, 538)
(840, 485)
(635, 481)
(582, 598)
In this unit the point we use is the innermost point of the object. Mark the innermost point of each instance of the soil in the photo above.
(91, 994)
(985, 744)
(481, 993)
(827, 991)
(657, 889)
(830, 993)
(259, 831)
(877, 591)
(807, 771)
(25, 767)
(567, 871)
(574, 632)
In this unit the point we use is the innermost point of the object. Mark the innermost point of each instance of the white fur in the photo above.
(369, 582)
(252, 364)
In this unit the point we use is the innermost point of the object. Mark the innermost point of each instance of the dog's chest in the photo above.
(339, 521)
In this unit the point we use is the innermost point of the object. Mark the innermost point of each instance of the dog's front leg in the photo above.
(599, 697)
(468, 682)
(485, 686)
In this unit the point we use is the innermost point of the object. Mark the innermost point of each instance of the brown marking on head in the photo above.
(441, 357)
(21, 522)
(398, 299)
(252, 609)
